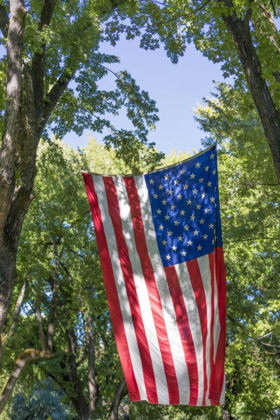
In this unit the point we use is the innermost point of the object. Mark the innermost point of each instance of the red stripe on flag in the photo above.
(111, 291)
(198, 288)
(212, 267)
(184, 330)
(114, 211)
(217, 377)
(156, 307)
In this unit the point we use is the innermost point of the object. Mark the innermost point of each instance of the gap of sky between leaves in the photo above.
(175, 88)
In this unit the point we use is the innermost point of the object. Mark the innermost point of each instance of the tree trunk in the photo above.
(120, 393)
(8, 246)
(270, 118)
(16, 315)
(91, 368)
(7, 278)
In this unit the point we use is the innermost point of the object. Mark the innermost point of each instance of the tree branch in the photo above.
(91, 368)
(66, 271)
(40, 324)
(64, 381)
(4, 21)
(51, 320)
(83, 358)
(181, 15)
(54, 301)
(54, 95)
(252, 239)
(274, 36)
(46, 13)
(120, 393)
(73, 373)
(17, 310)
(39, 59)
(24, 357)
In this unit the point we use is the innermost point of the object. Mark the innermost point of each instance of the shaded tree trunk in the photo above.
(240, 33)
(8, 243)
(120, 393)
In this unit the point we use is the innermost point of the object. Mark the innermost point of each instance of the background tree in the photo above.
(45, 401)
(60, 320)
(53, 65)
(250, 210)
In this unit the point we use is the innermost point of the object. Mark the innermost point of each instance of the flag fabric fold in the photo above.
(160, 245)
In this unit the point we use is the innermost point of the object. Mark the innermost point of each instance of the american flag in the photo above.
(160, 245)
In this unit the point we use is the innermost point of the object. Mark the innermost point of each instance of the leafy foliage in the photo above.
(249, 210)
(73, 55)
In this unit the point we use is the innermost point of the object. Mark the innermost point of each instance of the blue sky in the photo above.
(175, 88)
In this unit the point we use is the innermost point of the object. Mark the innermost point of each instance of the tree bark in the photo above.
(82, 405)
(4, 21)
(17, 311)
(8, 245)
(240, 32)
(120, 393)
(91, 368)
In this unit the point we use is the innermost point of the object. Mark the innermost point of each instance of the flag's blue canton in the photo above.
(185, 207)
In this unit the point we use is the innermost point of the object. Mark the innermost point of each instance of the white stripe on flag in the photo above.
(223, 394)
(204, 268)
(217, 326)
(166, 301)
(142, 292)
(194, 322)
(120, 284)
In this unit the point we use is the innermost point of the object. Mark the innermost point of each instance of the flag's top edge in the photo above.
(156, 170)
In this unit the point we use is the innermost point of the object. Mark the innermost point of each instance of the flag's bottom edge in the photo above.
(167, 403)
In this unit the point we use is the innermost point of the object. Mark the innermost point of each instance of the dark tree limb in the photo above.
(42, 334)
(120, 393)
(51, 320)
(39, 59)
(91, 368)
(240, 33)
(54, 95)
(17, 310)
(54, 301)
(74, 377)
(46, 13)
(24, 357)
(4, 21)
(65, 383)
(83, 357)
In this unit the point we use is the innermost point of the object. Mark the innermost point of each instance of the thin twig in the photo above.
(252, 239)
